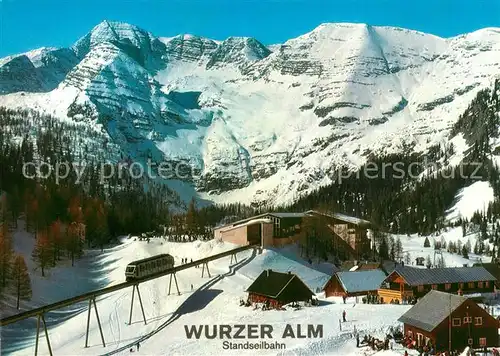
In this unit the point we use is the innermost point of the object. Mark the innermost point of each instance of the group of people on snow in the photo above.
(185, 260)
(374, 343)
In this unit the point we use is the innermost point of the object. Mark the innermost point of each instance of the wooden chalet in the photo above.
(409, 282)
(277, 289)
(439, 314)
(350, 284)
(493, 268)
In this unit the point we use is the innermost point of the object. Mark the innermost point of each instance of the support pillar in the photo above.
(37, 334)
(134, 287)
(170, 283)
(203, 270)
(46, 334)
(92, 301)
(235, 259)
(41, 316)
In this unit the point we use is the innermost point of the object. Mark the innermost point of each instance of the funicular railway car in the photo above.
(148, 266)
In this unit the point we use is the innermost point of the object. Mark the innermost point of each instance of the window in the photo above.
(470, 285)
(487, 284)
(467, 319)
(434, 286)
(482, 341)
(461, 285)
(456, 321)
(480, 284)
(447, 286)
(420, 288)
(410, 333)
(470, 342)
(478, 320)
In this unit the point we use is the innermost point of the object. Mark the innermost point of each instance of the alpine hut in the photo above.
(350, 284)
(408, 282)
(439, 315)
(276, 289)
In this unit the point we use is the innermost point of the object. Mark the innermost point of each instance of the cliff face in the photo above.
(252, 123)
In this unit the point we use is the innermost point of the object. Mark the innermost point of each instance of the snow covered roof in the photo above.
(389, 266)
(250, 222)
(272, 284)
(368, 266)
(493, 268)
(351, 219)
(419, 276)
(361, 281)
(342, 217)
(288, 215)
(277, 215)
(432, 309)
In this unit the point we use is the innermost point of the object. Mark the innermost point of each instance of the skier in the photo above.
(357, 340)
(344, 298)
(138, 345)
(191, 260)
(191, 287)
(343, 316)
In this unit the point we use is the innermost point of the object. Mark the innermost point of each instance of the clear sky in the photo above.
(29, 24)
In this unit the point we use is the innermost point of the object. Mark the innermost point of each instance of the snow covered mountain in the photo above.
(256, 123)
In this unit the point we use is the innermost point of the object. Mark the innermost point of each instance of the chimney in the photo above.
(269, 272)
(289, 272)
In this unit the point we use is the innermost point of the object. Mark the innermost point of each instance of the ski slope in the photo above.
(213, 300)
(210, 300)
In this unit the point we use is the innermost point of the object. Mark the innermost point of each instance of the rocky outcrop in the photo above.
(19, 74)
(237, 51)
(189, 48)
(268, 121)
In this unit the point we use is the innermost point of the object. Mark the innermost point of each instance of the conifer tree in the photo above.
(399, 248)
(392, 248)
(56, 238)
(427, 242)
(74, 243)
(383, 248)
(407, 258)
(441, 262)
(21, 280)
(6, 254)
(192, 219)
(465, 252)
(428, 262)
(43, 251)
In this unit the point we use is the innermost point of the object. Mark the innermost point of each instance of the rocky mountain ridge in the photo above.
(258, 124)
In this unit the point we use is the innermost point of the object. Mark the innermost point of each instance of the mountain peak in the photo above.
(239, 51)
(119, 33)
